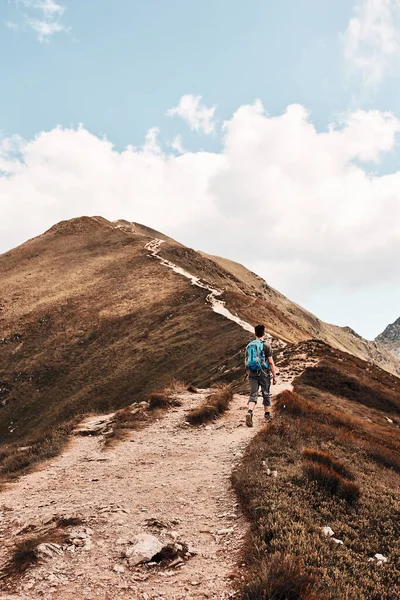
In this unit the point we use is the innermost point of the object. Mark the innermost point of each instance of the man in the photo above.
(259, 367)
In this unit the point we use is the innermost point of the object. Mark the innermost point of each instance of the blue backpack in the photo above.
(255, 356)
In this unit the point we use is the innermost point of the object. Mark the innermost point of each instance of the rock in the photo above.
(154, 522)
(48, 550)
(88, 544)
(327, 531)
(122, 541)
(95, 425)
(176, 563)
(274, 473)
(389, 420)
(119, 568)
(78, 542)
(336, 541)
(380, 558)
(225, 531)
(142, 549)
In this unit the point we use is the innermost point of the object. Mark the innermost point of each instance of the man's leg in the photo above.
(265, 382)
(254, 385)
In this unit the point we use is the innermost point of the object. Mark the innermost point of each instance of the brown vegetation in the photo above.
(24, 553)
(161, 401)
(287, 512)
(326, 459)
(90, 322)
(281, 579)
(330, 480)
(214, 406)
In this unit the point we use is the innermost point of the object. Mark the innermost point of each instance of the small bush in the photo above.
(385, 457)
(281, 579)
(175, 387)
(214, 406)
(24, 554)
(331, 481)
(161, 401)
(326, 459)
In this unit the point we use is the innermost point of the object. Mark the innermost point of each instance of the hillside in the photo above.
(289, 321)
(390, 338)
(95, 315)
(171, 481)
(327, 528)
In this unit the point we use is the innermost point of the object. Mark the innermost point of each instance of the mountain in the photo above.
(95, 314)
(390, 338)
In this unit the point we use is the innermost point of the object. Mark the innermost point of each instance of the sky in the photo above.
(264, 132)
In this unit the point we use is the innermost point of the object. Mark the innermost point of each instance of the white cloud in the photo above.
(371, 41)
(197, 115)
(177, 144)
(291, 202)
(44, 17)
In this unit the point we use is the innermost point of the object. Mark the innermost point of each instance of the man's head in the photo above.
(260, 330)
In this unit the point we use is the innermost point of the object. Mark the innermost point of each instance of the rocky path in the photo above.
(169, 472)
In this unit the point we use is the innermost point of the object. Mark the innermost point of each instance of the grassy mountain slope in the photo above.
(335, 445)
(91, 322)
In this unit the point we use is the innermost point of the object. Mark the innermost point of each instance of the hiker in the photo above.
(259, 366)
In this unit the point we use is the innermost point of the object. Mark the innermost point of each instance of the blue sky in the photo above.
(124, 63)
(118, 67)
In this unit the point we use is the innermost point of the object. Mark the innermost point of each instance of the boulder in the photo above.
(95, 425)
(143, 547)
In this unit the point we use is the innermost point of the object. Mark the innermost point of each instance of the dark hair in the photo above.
(260, 330)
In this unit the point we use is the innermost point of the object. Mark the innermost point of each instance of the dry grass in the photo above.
(213, 407)
(162, 401)
(383, 456)
(16, 461)
(280, 578)
(326, 459)
(175, 388)
(24, 553)
(329, 480)
(287, 512)
(92, 336)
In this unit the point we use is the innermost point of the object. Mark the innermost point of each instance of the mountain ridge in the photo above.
(390, 338)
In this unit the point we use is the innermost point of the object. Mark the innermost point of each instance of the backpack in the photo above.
(255, 356)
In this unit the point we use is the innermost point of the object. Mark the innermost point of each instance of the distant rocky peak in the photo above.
(391, 337)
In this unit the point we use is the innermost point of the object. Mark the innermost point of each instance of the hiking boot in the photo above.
(267, 416)
(249, 419)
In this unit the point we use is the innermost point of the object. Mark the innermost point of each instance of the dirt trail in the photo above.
(169, 471)
(217, 305)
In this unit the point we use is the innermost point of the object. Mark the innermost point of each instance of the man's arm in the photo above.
(273, 370)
